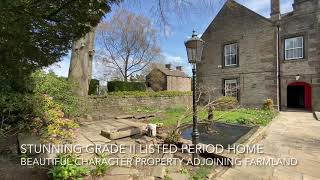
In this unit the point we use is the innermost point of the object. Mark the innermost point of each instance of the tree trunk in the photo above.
(80, 71)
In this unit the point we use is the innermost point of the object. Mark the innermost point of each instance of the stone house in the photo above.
(166, 78)
(254, 58)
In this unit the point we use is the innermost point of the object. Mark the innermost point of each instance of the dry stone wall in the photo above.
(104, 104)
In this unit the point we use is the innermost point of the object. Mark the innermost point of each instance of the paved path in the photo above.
(293, 134)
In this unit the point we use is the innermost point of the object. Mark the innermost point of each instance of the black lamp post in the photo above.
(194, 47)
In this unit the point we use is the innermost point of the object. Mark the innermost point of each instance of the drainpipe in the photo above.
(278, 69)
(275, 18)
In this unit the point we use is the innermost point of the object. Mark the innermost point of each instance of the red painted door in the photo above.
(307, 97)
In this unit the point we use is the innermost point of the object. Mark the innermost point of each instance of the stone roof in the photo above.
(176, 73)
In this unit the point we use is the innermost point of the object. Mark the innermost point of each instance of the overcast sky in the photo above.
(172, 42)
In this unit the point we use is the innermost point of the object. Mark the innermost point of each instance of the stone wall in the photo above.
(178, 83)
(107, 104)
(255, 36)
(303, 21)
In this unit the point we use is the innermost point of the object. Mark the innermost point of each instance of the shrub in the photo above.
(225, 102)
(43, 108)
(67, 168)
(93, 87)
(58, 88)
(101, 168)
(172, 138)
(267, 104)
(114, 86)
(49, 121)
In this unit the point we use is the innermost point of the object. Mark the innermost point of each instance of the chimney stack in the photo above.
(179, 68)
(168, 66)
(275, 10)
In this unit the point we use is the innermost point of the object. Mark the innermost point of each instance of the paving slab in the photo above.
(178, 176)
(158, 172)
(290, 135)
(117, 177)
(123, 171)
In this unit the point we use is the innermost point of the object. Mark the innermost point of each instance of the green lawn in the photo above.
(169, 116)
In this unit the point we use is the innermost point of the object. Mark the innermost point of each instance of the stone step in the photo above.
(121, 133)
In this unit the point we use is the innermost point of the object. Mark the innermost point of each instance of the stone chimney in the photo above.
(305, 5)
(168, 66)
(179, 68)
(275, 10)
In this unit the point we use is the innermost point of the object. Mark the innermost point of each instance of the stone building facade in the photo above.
(255, 58)
(166, 78)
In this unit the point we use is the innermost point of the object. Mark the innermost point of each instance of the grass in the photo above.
(169, 116)
(201, 172)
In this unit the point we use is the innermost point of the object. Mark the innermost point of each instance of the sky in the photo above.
(171, 39)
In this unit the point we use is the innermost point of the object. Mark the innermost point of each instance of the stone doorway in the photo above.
(299, 95)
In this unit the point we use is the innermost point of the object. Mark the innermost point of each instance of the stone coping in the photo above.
(317, 115)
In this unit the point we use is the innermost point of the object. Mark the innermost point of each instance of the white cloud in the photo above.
(178, 61)
(174, 60)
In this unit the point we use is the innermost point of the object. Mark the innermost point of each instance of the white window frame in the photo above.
(295, 47)
(228, 54)
(228, 90)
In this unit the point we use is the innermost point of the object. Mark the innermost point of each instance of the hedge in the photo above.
(115, 86)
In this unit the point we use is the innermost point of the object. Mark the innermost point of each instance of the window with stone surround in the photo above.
(294, 48)
(231, 55)
(231, 87)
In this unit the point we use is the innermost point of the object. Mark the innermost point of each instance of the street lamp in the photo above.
(194, 47)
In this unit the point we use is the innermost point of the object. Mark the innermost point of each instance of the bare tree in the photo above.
(80, 70)
(129, 42)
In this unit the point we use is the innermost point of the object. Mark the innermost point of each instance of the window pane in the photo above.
(231, 88)
(225, 50)
(300, 42)
(289, 43)
(286, 44)
(234, 49)
(300, 53)
(291, 51)
(233, 59)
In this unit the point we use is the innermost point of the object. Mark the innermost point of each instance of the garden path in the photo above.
(292, 135)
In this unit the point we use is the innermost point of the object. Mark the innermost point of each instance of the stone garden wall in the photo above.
(104, 104)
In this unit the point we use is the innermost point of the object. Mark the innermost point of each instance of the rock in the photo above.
(178, 176)
(123, 171)
(145, 140)
(158, 172)
(125, 117)
(162, 135)
(28, 143)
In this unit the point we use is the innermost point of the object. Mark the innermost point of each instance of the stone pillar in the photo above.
(275, 10)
